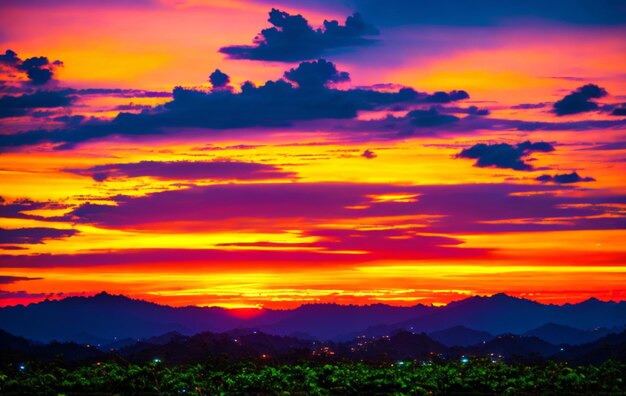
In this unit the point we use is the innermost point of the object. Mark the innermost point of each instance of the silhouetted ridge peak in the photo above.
(594, 301)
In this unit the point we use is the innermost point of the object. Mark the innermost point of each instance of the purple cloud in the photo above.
(504, 155)
(7, 279)
(564, 178)
(32, 235)
(456, 208)
(186, 170)
(292, 38)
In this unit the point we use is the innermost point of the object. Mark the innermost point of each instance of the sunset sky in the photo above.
(355, 152)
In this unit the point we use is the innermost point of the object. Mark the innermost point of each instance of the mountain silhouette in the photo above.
(460, 336)
(331, 321)
(612, 346)
(174, 349)
(402, 345)
(106, 319)
(559, 334)
(511, 346)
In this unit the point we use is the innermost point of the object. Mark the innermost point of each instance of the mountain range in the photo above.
(176, 349)
(105, 319)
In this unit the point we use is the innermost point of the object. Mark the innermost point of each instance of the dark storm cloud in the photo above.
(292, 38)
(13, 106)
(579, 101)
(619, 111)
(472, 13)
(564, 178)
(275, 103)
(32, 235)
(39, 69)
(504, 155)
(186, 170)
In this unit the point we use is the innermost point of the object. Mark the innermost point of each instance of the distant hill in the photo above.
(612, 346)
(205, 346)
(15, 349)
(559, 334)
(106, 317)
(460, 336)
(116, 321)
(502, 314)
(332, 321)
(511, 346)
(10, 342)
(402, 345)
(172, 348)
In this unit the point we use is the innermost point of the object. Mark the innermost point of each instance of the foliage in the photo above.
(480, 376)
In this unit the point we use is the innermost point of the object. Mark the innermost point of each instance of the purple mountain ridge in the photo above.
(106, 318)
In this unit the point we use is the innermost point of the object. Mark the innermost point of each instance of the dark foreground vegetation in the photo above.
(477, 377)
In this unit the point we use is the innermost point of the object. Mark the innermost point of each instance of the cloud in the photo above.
(211, 259)
(369, 154)
(565, 178)
(32, 235)
(504, 155)
(404, 243)
(133, 107)
(473, 110)
(292, 38)
(619, 111)
(273, 208)
(430, 118)
(22, 294)
(186, 170)
(16, 208)
(276, 103)
(218, 79)
(279, 206)
(446, 97)
(529, 106)
(7, 279)
(124, 93)
(579, 101)
(610, 146)
(14, 106)
(316, 74)
(39, 70)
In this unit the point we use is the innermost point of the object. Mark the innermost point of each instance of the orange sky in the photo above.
(310, 218)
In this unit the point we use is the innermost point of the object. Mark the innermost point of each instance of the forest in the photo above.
(467, 376)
